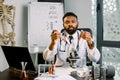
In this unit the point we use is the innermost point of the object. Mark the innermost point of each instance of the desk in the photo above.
(12, 74)
(63, 73)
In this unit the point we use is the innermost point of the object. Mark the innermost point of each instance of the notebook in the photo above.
(15, 55)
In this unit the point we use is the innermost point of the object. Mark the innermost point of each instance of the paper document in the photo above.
(65, 77)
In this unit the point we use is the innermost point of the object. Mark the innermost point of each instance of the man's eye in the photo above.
(66, 22)
(74, 21)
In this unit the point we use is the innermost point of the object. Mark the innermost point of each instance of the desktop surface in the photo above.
(14, 74)
(68, 73)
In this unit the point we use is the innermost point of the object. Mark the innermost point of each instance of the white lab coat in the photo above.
(62, 47)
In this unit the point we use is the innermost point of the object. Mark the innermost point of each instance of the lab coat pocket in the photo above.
(62, 55)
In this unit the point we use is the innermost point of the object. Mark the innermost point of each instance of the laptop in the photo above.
(15, 55)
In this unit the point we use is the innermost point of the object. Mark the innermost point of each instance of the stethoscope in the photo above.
(63, 39)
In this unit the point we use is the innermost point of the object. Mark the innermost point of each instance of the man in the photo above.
(61, 45)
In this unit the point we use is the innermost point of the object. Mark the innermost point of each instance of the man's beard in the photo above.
(71, 31)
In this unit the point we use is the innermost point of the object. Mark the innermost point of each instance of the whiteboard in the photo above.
(43, 17)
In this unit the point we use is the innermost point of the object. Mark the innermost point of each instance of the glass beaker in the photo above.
(83, 61)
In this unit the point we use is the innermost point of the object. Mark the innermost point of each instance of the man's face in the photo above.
(70, 24)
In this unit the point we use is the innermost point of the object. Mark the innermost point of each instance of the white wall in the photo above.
(83, 10)
(21, 20)
(80, 7)
(21, 27)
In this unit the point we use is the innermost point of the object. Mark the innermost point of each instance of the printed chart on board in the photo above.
(43, 17)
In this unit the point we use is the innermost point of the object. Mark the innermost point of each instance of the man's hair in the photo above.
(70, 14)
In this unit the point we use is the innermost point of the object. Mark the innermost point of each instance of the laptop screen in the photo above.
(16, 55)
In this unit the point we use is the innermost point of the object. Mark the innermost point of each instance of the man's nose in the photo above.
(70, 24)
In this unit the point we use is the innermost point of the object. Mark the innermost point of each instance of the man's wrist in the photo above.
(51, 46)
